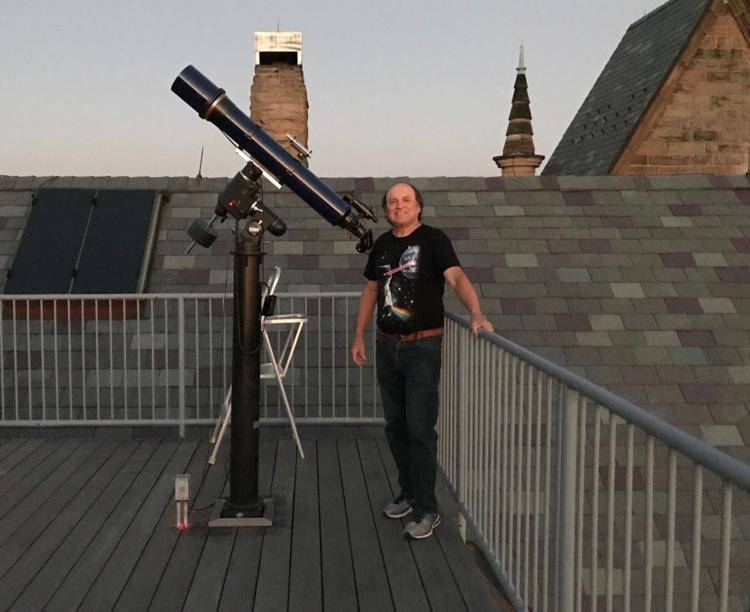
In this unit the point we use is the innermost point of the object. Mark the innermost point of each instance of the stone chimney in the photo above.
(519, 157)
(278, 96)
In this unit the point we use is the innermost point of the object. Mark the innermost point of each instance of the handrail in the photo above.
(148, 296)
(725, 466)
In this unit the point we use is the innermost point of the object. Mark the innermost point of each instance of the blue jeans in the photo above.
(409, 376)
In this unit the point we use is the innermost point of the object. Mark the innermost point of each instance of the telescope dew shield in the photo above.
(212, 104)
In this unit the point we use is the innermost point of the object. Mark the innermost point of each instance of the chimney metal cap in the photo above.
(278, 47)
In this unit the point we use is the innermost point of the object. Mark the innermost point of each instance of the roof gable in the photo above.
(625, 88)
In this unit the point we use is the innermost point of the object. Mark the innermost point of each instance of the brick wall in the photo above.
(278, 101)
(699, 123)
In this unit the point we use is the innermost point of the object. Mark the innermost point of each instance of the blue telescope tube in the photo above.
(212, 104)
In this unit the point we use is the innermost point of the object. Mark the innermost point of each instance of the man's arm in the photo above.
(466, 293)
(367, 300)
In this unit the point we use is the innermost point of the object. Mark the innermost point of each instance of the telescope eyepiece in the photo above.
(365, 242)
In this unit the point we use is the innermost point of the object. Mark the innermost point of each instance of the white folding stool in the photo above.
(274, 368)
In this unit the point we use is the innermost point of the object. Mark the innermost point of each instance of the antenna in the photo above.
(200, 165)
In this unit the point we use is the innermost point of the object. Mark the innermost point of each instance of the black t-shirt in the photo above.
(410, 279)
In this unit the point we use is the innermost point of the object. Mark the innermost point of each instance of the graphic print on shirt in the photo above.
(398, 283)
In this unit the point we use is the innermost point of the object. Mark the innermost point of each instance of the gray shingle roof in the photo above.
(622, 93)
(641, 284)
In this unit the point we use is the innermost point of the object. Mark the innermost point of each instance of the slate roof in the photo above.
(641, 284)
(622, 93)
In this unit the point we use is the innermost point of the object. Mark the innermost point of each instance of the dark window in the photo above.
(82, 241)
(51, 241)
(113, 252)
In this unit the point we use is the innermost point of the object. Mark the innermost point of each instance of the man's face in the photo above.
(401, 206)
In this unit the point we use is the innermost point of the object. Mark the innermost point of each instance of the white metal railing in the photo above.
(581, 500)
(166, 359)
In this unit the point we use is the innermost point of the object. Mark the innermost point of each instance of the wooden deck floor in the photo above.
(88, 524)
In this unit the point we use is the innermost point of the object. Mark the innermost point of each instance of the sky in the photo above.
(409, 88)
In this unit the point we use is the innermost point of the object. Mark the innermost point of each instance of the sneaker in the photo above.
(423, 527)
(398, 508)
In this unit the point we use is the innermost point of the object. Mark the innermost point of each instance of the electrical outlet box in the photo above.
(182, 487)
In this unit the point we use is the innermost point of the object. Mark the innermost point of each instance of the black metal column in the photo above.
(246, 353)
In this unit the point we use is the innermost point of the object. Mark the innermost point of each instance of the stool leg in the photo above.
(227, 402)
(285, 399)
(289, 414)
(224, 423)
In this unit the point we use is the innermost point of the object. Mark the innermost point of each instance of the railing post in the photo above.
(567, 502)
(460, 414)
(181, 363)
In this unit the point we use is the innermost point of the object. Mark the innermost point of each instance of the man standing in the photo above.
(406, 274)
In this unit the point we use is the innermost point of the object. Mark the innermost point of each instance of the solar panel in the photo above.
(51, 241)
(115, 242)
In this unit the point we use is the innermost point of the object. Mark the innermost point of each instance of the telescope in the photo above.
(241, 200)
(276, 163)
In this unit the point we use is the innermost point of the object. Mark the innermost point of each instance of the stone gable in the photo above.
(700, 120)
(673, 99)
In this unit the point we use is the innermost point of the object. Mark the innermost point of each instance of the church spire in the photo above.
(519, 157)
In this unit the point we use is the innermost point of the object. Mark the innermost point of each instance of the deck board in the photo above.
(272, 588)
(205, 589)
(472, 584)
(89, 524)
(19, 570)
(172, 590)
(398, 558)
(7, 447)
(113, 525)
(144, 579)
(19, 487)
(38, 499)
(111, 580)
(52, 512)
(305, 589)
(242, 573)
(19, 450)
(339, 588)
(56, 569)
(373, 589)
(437, 579)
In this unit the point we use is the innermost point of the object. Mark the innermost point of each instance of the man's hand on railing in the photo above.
(358, 352)
(479, 321)
(467, 295)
